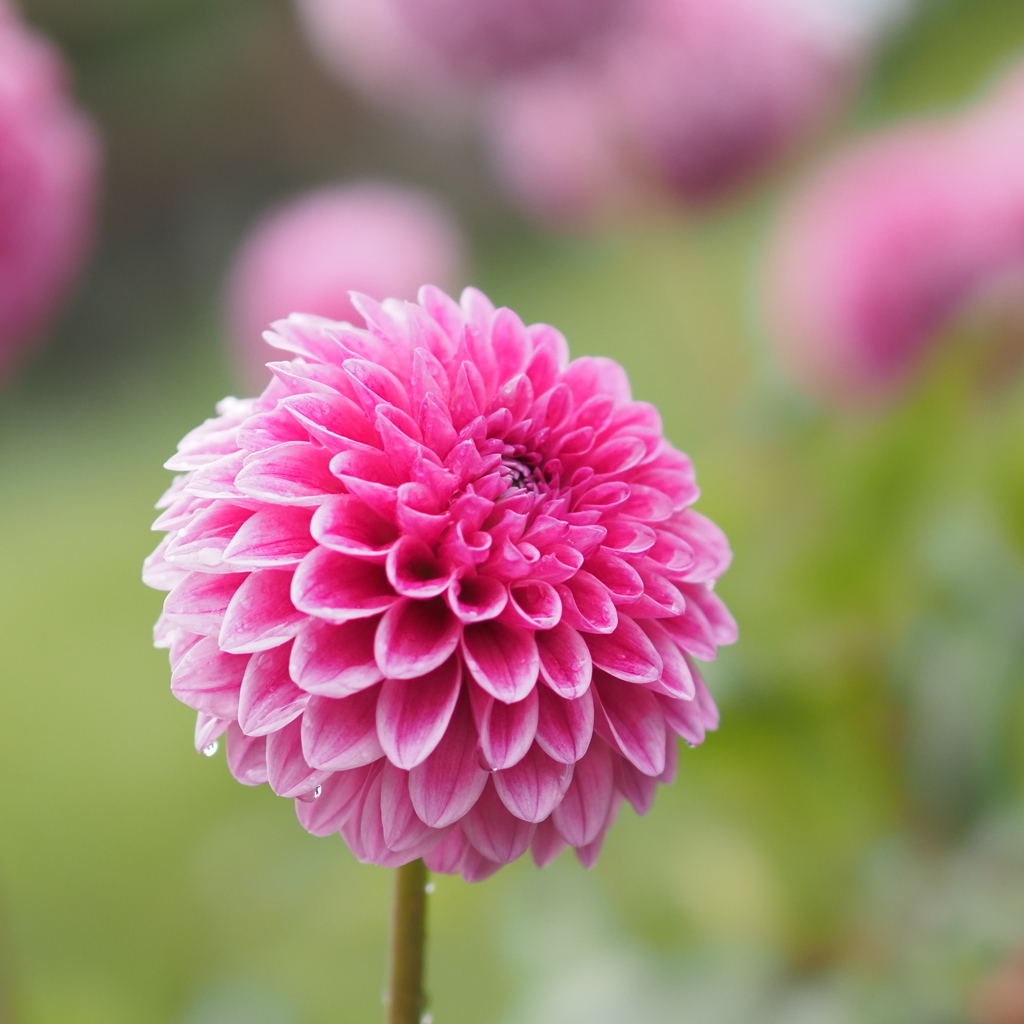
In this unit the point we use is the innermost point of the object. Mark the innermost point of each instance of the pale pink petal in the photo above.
(268, 699)
(584, 808)
(335, 661)
(247, 757)
(403, 830)
(294, 473)
(273, 537)
(341, 734)
(261, 614)
(208, 680)
(339, 793)
(288, 772)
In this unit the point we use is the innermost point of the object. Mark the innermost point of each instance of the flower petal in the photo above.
(630, 720)
(293, 473)
(565, 727)
(338, 588)
(208, 680)
(341, 734)
(338, 795)
(565, 662)
(348, 524)
(495, 833)
(584, 808)
(261, 614)
(335, 661)
(627, 653)
(273, 537)
(268, 699)
(448, 782)
(502, 659)
(288, 772)
(412, 715)
(247, 756)
(415, 637)
(533, 788)
(506, 730)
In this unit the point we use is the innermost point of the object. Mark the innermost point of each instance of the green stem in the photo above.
(404, 999)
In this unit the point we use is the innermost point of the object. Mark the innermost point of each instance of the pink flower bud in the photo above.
(310, 253)
(49, 161)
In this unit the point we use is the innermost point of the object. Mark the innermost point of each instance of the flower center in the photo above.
(521, 473)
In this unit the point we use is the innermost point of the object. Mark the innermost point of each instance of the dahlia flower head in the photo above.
(312, 251)
(49, 162)
(441, 586)
(895, 238)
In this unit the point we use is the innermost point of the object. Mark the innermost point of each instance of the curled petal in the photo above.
(502, 659)
(477, 598)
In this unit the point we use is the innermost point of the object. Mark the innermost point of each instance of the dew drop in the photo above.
(317, 792)
(427, 1018)
(211, 748)
(428, 888)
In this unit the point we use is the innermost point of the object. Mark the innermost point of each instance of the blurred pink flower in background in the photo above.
(893, 239)
(691, 99)
(309, 253)
(487, 39)
(49, 163)
(441, 586)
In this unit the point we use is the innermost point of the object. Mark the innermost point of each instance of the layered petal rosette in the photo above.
(441, 586)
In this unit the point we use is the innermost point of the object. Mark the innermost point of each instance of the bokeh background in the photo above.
(848, 849)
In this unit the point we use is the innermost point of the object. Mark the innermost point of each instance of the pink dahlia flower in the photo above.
(49, 158)
(441, 586)
(892, 240)
(692, 98)
(310, 253)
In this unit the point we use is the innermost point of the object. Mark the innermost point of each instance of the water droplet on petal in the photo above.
(428, 888)
(317, 792)
(211, 748)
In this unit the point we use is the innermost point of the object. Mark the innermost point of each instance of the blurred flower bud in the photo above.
(893, 239)
(692, 98)
(307, 255)
(49, 161)
(484, 39)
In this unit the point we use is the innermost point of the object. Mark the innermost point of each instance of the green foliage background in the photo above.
(848, 848)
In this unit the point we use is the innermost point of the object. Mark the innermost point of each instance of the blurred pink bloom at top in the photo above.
(486, 39)
(442, 587)
(692, 98)
(308, 254)
(892, 239)
(49, 161)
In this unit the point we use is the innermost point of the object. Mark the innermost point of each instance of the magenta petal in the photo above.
(293, 473)
(261, 614)
(637, 788)
(565, 662)
(268, 698)
(364, 829)
(587, 605)
(584, 808)
(208, 730)
(338, 795)
(335, 661)
(448, 782)
(414, 571)
(547, 844)
(565, 727)
(506, 730)
(629, 719)
(475, 867)
(415, 637)
(477, 598)
(445, 858)
(209, 681)
(676, 680)
(412, 715)
(288, 773)
(403, 830)
(341, 734)
(276, 536)
(534, 787)
(627, 653)
(588, 853)
(502, 659)
(247, 757)
(495, 833)
(338, 588)
(348, 524)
